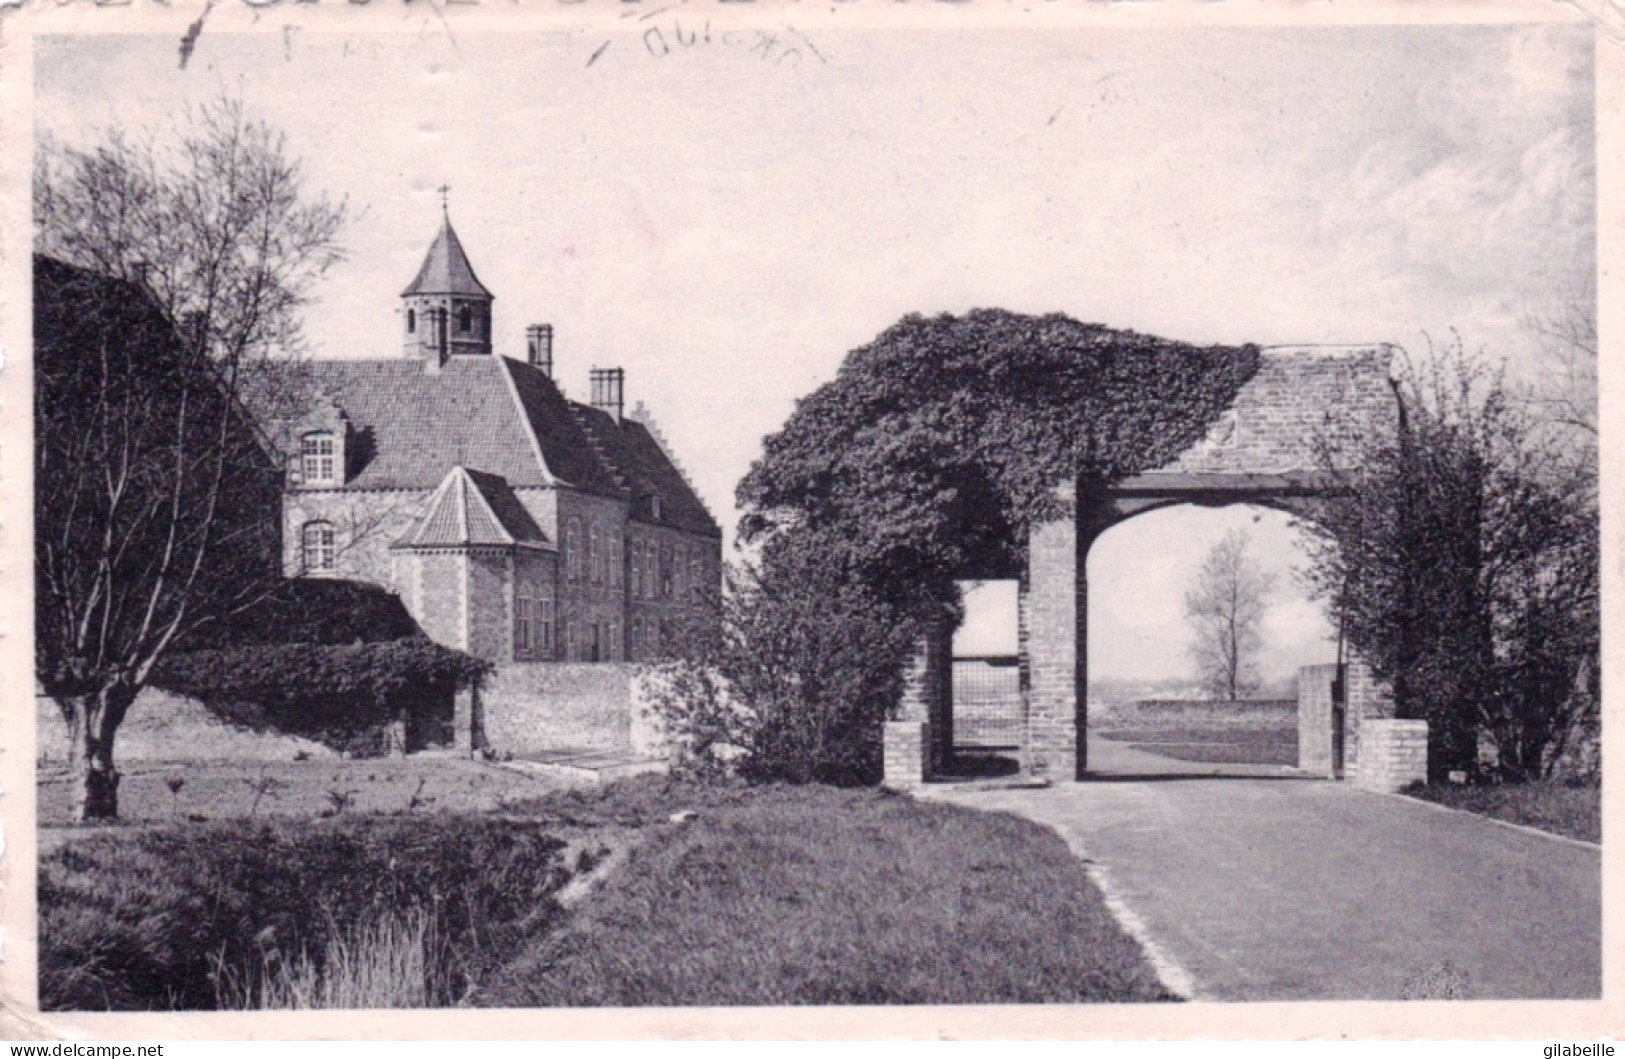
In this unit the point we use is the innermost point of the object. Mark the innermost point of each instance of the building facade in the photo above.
(514, 523)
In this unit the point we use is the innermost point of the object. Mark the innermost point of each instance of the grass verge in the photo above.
(812, 895)
(1575, 812)
(205, 916)
(766, 895)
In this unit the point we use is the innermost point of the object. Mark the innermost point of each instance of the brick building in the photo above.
(514, 523)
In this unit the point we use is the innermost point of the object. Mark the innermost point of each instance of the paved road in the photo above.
(1264, 886)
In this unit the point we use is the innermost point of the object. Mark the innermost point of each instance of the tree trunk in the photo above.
(93, 720)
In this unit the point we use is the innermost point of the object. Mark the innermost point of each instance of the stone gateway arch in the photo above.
(1264, 450)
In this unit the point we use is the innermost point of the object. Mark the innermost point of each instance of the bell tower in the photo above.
(446, 311)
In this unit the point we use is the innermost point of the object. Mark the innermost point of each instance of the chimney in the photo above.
(539, 347)
(437, 321)
(609, 390)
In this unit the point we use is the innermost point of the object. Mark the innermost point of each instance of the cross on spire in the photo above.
(445, 198)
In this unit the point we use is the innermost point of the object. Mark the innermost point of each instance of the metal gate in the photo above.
(987, 702)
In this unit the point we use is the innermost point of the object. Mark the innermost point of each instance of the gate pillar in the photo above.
(1052, 611)
(928, 695)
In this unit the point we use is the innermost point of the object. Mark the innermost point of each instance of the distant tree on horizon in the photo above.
(1225, 609)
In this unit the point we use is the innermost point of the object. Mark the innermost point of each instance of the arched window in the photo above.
(696, 573)
(614, 578)
(411, 321)
(595, 554)
(572, 550)
(637, 639)
(521, 620)
(465, 319)
(544, 635)
(319, 459)
(317, 547)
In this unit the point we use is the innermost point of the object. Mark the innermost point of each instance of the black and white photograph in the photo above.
(1068, 526)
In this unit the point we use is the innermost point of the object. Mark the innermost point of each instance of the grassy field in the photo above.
(1550, 806)
(1251, 733)
(226, 790)
(607, 895)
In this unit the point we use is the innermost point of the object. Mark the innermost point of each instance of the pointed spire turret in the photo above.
(447, 309)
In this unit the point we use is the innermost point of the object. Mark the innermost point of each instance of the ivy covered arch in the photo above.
(998, 445)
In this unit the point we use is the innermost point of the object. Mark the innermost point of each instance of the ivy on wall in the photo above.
(939, 442)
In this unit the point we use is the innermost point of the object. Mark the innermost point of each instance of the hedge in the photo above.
(341, 695)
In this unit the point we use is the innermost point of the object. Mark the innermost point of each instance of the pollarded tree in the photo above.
(1225, 608)
(163, 341)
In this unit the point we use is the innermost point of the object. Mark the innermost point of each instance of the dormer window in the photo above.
(319, 459)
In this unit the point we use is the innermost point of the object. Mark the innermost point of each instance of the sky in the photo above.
(726, 221)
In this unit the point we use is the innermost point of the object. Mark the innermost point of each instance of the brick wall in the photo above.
(365, 523)
(1298, 394)
(906, 750)
(655, 612)
(928, 693)
(586, 600)
(490, 624)
(1368, 699)
(576, 706)
(1050, 636)
(439, 580)
(1393, 753)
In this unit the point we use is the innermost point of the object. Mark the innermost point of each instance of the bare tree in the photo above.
(1567, 334)
(164, 357)
(1225, 608)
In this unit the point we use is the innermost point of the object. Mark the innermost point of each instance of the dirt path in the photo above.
(1263, 886)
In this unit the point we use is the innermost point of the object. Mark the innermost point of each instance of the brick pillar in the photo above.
(928, 693)
(468, 722)
(1392, 754)
(1053, 609)
(1368, 699)
(906, 749)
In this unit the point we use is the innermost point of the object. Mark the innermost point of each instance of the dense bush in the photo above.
(1462, 556)
(171, 918)
(794, 688)
(342, 695)
(315, 610)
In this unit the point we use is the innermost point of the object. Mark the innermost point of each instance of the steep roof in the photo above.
(648, 472)
(446, 269)
(501, 419)
(472, 509)
(567, 448)
(410, 427)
